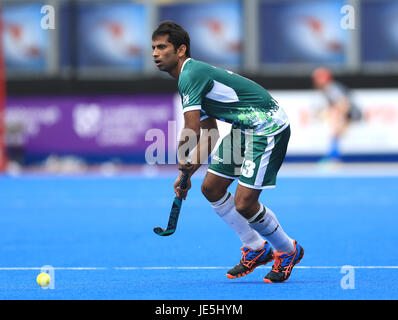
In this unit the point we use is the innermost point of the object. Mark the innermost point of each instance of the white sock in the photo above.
(266, 224)
(225, 208)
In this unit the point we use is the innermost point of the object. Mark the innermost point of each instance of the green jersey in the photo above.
(229, 97)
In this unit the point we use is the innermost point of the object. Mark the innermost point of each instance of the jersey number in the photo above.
(248, 168)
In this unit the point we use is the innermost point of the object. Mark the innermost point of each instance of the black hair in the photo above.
(177, 35)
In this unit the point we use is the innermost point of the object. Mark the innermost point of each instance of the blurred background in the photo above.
(79, 88)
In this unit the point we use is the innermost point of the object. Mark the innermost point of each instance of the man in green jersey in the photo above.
(252, 153)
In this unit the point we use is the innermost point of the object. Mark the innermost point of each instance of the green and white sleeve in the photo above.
(192, 89)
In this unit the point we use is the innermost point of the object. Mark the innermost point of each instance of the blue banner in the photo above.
(25, 43)
(215, 29)
(302, 32)
(379, 31)
(112, 35)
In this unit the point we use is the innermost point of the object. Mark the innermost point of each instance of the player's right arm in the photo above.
(207, 142)
(192, 86)
(205, 146)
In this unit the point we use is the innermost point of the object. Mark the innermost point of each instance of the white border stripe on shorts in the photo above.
(255, 187)
(220, 174)
(264, 161)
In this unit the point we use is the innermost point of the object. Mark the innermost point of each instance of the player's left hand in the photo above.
(185, 167)
(181, 193)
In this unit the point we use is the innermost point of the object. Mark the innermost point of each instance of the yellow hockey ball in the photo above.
(43, 279)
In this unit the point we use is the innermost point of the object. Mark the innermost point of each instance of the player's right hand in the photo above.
(181, 193)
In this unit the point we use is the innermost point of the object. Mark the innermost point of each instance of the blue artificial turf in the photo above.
(97, 233)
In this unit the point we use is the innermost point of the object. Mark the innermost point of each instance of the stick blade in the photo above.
(162, 232)
(174, 212)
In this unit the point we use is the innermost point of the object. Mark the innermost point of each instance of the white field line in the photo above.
(187, 268)
(55, 268)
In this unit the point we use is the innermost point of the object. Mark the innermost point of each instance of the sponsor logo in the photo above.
(185, 99)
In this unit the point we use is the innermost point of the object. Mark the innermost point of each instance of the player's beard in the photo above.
(169, 67)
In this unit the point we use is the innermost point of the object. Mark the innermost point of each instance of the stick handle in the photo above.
(184, 181)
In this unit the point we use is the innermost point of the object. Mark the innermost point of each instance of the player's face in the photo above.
(164, 54)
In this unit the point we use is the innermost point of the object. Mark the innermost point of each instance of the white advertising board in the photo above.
(375, 133)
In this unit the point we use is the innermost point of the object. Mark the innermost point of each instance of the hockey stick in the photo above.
(174, 213)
